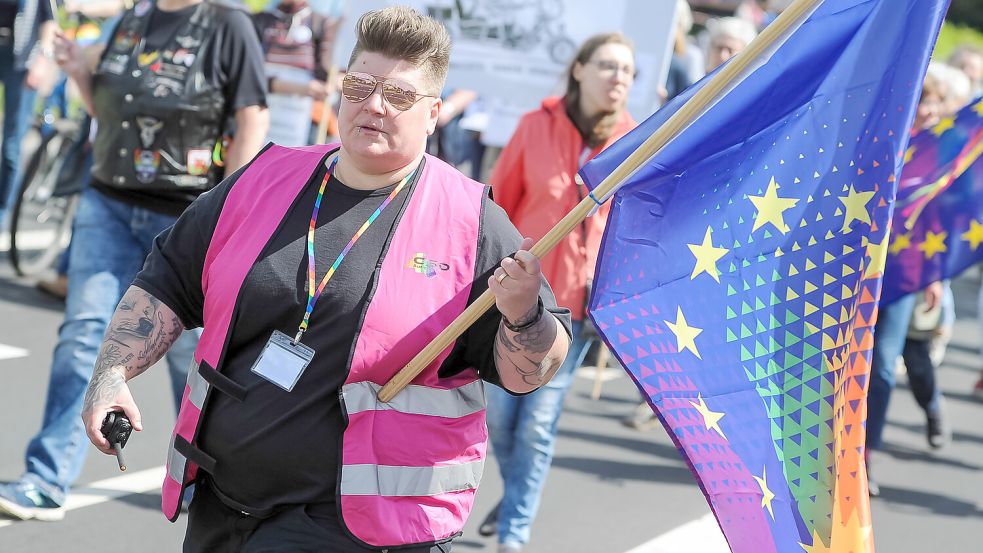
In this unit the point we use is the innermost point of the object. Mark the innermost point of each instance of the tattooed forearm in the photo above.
(532, 373)
(141, 331)
(103, 388)
(527, 316)
(144, 327)
(532, 356)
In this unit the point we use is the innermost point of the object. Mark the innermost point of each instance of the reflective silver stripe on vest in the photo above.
(417, 400)
(176, 463)
(409, 481)
(198, 386)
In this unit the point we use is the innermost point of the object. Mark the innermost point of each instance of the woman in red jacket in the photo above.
(534, 182)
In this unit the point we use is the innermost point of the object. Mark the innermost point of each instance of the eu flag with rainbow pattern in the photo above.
(740, 270)
(937, 230)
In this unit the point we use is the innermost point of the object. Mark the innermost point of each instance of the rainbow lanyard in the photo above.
(312, 294)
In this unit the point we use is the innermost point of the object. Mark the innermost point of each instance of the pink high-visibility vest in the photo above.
(409, 468)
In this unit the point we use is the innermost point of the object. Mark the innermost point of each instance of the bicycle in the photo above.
(41, 219)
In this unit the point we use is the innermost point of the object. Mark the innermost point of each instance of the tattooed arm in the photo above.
(141, 331)
(526, 359)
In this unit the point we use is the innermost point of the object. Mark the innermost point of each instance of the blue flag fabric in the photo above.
(937, 228)
(739, 273)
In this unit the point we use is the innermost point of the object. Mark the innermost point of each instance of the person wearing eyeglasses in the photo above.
(726, 37)
(161, 90)
(317, 274)
(535, 182)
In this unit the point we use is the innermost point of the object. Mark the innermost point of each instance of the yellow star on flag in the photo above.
(878, 257)
(974, 235)
(685, 334)
(770, 208)
(978, 108)
(934, 244)
(706, 257)
(943, 125)
(710, 418)
(900, 243)
(817, 544)
(909, 153)
(766, 494)
(856, 207)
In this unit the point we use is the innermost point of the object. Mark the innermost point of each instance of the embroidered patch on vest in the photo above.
(429, 267)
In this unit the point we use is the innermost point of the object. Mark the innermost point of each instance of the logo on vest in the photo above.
(149, 127)
(142, 8)
(429, 267)
(146, 163)
(125, 41)
(188, 42)
(148, 58)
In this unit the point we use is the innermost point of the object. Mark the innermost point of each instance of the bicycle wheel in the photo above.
(41, 222)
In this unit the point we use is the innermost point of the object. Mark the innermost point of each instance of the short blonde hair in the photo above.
(937, 81)
(732, 27)
(402, 33)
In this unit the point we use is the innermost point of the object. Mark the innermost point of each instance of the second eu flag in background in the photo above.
(937, 230)
(739, 274)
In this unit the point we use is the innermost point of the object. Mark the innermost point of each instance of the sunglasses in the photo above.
(356, 87)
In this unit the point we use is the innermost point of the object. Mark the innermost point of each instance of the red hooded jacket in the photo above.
(533, 181)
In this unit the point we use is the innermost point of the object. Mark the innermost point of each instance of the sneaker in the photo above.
(643, 418)
(872, 488)
(489, 526)
(25, 501)
(937, 430)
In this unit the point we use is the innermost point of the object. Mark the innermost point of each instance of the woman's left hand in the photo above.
(516, 285)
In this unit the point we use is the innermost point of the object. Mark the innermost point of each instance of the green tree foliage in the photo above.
(967, 12)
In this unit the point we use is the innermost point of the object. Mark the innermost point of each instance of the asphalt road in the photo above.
(611, 489)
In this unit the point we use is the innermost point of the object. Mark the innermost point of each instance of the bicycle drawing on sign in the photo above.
(520, 25)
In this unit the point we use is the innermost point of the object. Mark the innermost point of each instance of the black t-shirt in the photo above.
(278, 448)
(236, 67)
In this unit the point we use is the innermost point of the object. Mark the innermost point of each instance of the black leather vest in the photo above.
(159, 117)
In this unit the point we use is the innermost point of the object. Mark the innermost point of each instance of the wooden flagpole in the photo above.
(326, 113)
(691, 110)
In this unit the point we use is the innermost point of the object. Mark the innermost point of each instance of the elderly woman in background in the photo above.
(725, 38)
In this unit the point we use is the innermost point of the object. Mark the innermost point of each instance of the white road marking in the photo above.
(702, 535)
(27, 240)
(102, 491)
(10, 352)
(610, 373)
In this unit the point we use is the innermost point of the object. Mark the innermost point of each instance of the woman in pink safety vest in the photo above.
(317, 273)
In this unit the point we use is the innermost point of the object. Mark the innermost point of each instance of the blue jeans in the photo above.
(890, 342)
(111, 241)
(523, 434)
(18, 105)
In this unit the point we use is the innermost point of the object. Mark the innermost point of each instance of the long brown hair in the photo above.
(597, 129)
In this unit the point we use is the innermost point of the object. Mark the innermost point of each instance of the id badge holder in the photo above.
(282, 360)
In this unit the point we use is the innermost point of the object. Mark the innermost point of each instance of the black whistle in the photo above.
(116, 428)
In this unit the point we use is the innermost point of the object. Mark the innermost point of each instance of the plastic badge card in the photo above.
(282, 360)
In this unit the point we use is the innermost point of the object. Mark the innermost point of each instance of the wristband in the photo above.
(519, 328)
